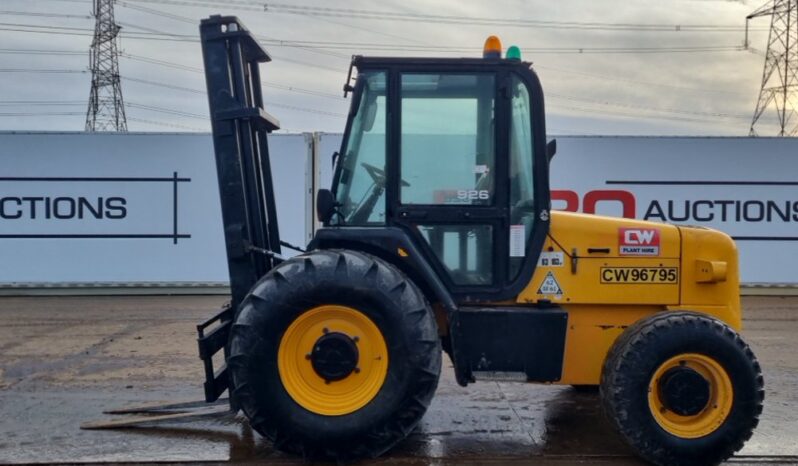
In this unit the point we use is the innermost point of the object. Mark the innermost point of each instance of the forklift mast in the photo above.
(240, 126)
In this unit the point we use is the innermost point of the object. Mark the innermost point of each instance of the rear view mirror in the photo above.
(325, 205)
(551, 149)
(371, 112)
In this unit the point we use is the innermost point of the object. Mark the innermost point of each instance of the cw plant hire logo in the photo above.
(638, 241)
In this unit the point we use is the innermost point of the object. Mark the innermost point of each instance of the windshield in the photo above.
(360, 184)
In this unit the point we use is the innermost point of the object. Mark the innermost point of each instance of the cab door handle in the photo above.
(413, 214)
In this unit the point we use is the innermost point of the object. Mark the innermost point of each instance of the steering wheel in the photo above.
(378, 174)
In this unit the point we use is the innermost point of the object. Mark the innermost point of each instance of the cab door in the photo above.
(466, 186)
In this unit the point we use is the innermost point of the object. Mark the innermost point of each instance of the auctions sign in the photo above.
(740, 209)
(91, 207)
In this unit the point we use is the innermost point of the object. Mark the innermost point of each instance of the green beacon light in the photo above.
(513, 53)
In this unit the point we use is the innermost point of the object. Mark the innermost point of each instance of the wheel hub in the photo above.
(334, 356)
(333, 360)
(684, 391)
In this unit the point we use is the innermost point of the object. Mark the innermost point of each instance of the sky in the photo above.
(633, 67)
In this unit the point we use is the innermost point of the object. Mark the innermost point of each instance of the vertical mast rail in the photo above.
(240, 126)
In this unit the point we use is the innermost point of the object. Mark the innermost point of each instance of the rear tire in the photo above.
(689, 421)
(369, 305)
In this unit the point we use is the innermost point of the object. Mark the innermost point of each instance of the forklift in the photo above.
(438, 236)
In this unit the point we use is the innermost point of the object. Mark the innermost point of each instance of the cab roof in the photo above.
(361, 61)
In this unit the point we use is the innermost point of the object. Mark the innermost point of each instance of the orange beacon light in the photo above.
(493, 48)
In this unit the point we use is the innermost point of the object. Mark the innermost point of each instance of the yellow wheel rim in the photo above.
(712, 416)
(306, 386)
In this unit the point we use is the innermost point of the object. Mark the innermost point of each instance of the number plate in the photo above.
(640, 275)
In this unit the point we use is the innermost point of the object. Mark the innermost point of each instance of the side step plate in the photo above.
(509, 343)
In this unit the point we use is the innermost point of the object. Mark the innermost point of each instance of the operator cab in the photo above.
(452, 152)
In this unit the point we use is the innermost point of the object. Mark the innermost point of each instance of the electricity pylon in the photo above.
(106, 110)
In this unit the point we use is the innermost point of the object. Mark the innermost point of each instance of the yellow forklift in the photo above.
(438, 236)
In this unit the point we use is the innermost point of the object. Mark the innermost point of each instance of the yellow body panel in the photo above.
(591, 332)
(582, 240)
(588, 268)
(700, 293)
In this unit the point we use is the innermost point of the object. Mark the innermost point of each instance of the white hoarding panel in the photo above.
(127, 208)
(746, 187)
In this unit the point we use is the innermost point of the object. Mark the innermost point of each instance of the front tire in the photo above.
(683, 389)
(334, 355)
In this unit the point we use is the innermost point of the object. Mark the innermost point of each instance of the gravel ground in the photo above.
(63, 360)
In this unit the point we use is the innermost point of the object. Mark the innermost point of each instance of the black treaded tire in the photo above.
(632, 362)
(347, 278)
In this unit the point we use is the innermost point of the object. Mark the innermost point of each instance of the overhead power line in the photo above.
(13, 103)
(647, 108)
(537, 67)
(632, 81)
(195, 69)
(338, 97)
(193, 21)
(41, 52)
(169, 111)
(267, 102)
(308, 10)
(638, 115)
(166, 124)
(366, 46)
(38, 114)
(155, 12)
(41, 70)
(43, 15)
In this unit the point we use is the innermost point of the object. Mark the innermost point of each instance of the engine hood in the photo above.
(588, 233)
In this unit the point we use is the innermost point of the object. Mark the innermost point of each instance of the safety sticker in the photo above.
(481, 169)
(550, 285)
(551, 259)
(638, 241)
(517, 240)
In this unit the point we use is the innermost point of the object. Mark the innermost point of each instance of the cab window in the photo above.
(447, 138)
(522, 199)
(447, 151)
(361, 177)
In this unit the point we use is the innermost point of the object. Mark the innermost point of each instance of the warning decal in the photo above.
(551, 259)
(550, 285)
